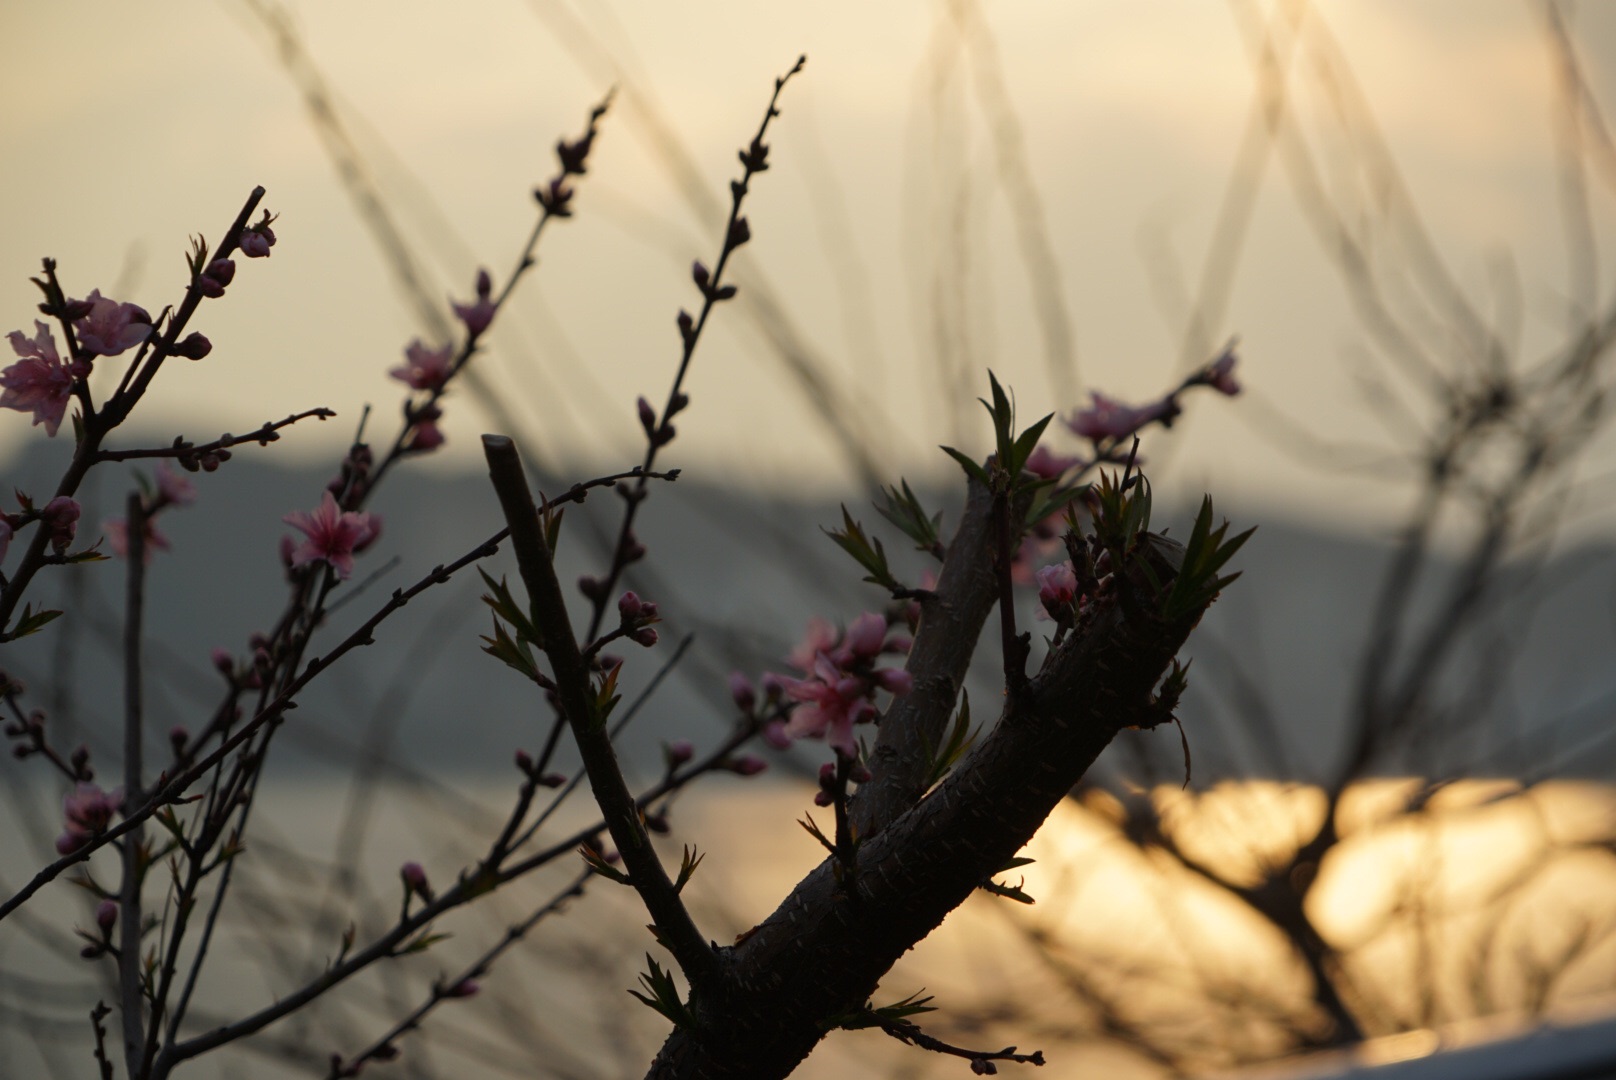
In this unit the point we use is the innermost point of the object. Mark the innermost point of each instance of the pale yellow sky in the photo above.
(132, 126)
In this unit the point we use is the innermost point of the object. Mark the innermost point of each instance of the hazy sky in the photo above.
(886, 232)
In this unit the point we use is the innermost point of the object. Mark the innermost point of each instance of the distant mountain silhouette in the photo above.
(742, 572)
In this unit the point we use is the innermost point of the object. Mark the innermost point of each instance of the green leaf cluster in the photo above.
(870, 1016)
(1011, 451)
(515, 652)
(866, 551)
(903, 509)
(32, 622)
(1198, 583)
(663, 995)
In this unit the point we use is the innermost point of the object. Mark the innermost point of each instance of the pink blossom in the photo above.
(1220, 373)
(829, 704)
(61, 517)
(1057, 588)
(428, 369)
(174, 488)
(111, 327)
(333, 535)
(819, 637)
(865, 636)
(1047, 465)
(117, 531)
(39, 383)
(426, 435)
(88, 811)
(478, 316)
(1108, 418)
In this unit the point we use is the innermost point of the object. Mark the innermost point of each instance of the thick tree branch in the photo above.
(823, 952)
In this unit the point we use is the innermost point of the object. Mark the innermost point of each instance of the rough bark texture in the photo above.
(824, 950)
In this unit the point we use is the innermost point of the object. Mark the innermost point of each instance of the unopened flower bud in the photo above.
(823, 798)
(222, 271)
(739, 233)
(552, 780)
(647, 416)
(827, 775)
(106, 915)
(524, 762)
(773, 688)
(178, 737)
(254, 244)
(223, 661)
(646, 636)
(699, 274)
(740, 689)
(194, 347)
(465, 988)
(679, 752)
(747, 765)
(415, 880)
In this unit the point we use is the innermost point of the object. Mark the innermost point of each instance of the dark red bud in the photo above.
(194, 347)
(221, 271)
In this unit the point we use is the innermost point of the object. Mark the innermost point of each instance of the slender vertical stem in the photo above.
(674, 926)
(134, 1038)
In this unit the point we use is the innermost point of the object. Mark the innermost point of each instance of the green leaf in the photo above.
(866, 551)
(606, 697)
(687, 867)
(1026, 443)
(597, 863)
(1009, 892)
(663, 996)
(512, 653)
(1055, 501)
(870, 1016)
(552, 527)
(32, 622)
(807, 822)
(903, 509)
(1198, 583)
(506, 607)
(972, 469)
(420, 944)
(959, 739)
